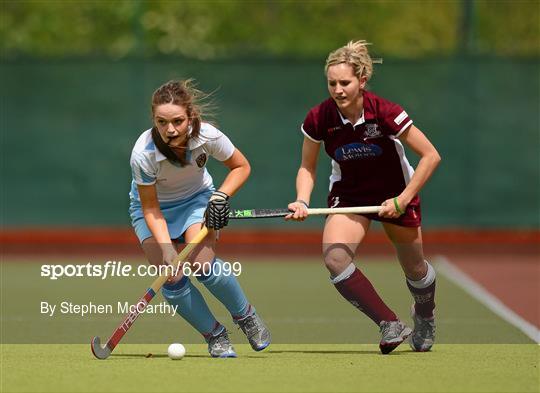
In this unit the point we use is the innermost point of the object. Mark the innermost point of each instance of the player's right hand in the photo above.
(169, 256)
(298, 211)
(169, 253)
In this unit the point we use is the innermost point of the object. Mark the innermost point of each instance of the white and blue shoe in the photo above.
(256, 331)
(220, 346)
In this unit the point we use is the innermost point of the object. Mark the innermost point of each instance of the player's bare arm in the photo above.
(429, 160)
(305, 180)
(239, 172)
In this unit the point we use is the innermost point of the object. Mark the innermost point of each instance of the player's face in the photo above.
(172, 123)
(344, 87)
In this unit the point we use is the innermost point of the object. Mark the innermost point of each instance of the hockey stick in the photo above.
(269, 213)
(103, 351)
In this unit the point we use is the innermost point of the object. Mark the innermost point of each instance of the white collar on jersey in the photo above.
(192, 145)
(344, 120)
(159, 155)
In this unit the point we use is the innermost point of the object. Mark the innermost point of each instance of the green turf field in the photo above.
(320, 343)
(283, 368)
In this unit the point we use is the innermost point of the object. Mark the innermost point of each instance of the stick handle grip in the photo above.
(344, 210)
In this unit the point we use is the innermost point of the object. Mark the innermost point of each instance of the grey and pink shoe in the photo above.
(393, 334)
(423, 335)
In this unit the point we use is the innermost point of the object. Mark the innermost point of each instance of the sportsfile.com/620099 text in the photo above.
(120, 269)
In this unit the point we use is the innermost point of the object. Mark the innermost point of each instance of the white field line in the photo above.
(465, 282)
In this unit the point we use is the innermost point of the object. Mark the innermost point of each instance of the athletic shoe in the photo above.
(256, 331)
(393, 334)
(220, 346)
(423, 335)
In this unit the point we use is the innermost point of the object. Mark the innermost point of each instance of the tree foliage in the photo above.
(287, 28)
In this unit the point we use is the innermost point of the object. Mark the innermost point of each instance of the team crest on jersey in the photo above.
(372, 131)
(201, 160)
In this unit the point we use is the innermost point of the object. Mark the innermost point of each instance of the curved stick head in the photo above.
(101, 352)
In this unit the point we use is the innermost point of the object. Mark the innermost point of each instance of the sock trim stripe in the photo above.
(425, 282)
(345, 274)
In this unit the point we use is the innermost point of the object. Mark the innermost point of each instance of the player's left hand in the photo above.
(217, 212)
(393, 208)
(298, 211)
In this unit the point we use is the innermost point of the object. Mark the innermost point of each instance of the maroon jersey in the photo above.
(368, 160)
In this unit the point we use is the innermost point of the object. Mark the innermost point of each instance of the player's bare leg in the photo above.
(408, 244)
(420, 280)
(152, 250)
(342, 235)
(204, 253)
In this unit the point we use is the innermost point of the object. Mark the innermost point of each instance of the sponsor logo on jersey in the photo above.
(201, 160)
(399, 119)
(333, 129)
(372, 131)
(335, 202)
(357, 151)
